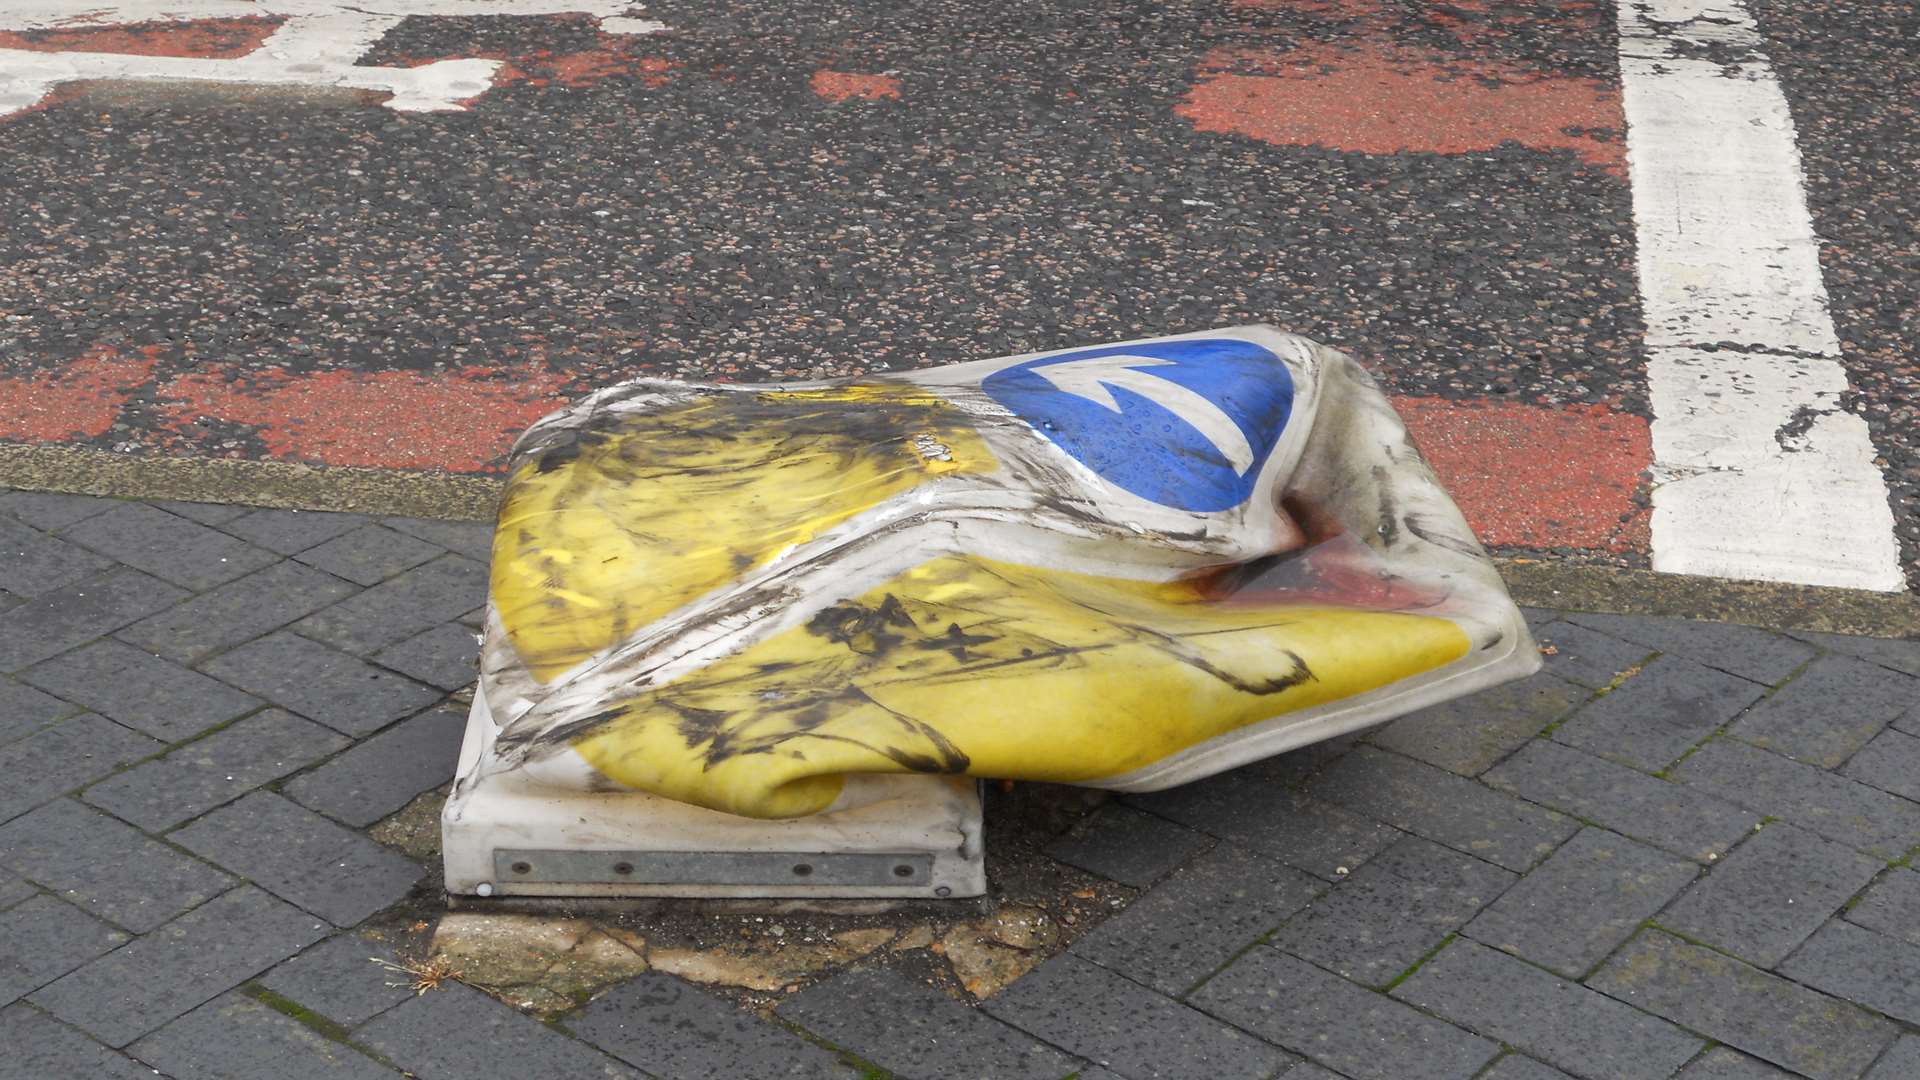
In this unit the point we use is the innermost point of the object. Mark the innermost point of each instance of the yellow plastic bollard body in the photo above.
(1127, 566)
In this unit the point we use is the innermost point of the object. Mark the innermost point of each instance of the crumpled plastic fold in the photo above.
(1127, 566)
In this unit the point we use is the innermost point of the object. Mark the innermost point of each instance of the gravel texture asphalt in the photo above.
(820, 189)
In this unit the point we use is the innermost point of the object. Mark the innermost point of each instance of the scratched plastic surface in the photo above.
(1125, 566)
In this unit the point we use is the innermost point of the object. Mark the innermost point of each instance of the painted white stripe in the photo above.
(1758, 473)
(317, 45)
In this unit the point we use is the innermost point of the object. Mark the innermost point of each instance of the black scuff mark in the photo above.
(1419, 525)
(1792, 435)
(869, 631)
(1389, 527)
(954, 642)
(1178, 648)
(544, 742)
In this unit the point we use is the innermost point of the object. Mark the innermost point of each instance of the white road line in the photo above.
(317, 45)
(1758, 472)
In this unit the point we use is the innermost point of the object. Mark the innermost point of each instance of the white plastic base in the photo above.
(886, 836)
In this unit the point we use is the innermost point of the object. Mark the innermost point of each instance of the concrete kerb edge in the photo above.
(279, 484)
(451, 497)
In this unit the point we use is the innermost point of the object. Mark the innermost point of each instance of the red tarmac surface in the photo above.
(1526, 476)
(845, 85)
(1377, 98)
(208, 39)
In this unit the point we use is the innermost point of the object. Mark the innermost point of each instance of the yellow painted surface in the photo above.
(672, 504)
(995, 670)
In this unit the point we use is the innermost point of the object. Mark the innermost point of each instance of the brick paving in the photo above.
(1683, 850)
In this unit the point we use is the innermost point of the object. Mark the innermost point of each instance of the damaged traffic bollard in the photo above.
(759, 640)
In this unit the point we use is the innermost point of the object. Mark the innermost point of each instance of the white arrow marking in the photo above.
(1090, 378)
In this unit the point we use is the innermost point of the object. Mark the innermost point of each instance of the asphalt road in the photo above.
(806, 189)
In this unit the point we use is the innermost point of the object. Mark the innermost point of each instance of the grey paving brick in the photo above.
(301, 857)
(1558, 1021)
(494, 1042)
(1668, 816)
(1833, 806)
(1659, 714)
(43, 938)
(14, 889)
(1521, 1067)
(112, 870)
(192, 959)
(38, 1047)
(1392, 911)
(1256, 811)
(1792, 1026)
(383, 773)
(1579, 905)
(1726, 1063)
(37, 563)
(1902, 1062)
(1746, 651)
(234, 1037)
(51, 510)
(1909, 721)
(369, 554)
(321, 683)
(1891, 906)
(290, 532)
(133, 687)
(446, 656)
(203, 774)
(1302, 1070)
(400, 607)
(60, 758)
(341, 979)
(474, 539)
(1468, 735)
(169, 546)
(1187, 926)
(1891, 762)
(1440, 806)
(1357, 1032)
(1106, 1018)
(236, 612)
(670, 1030)
(1294, 768)
(1763, 900)
(1537, 617)
(1585, 656)
(24, 710)
(202, 512)
(911, 1029)
(1861, 966)
(1896, 653)
(75, 614)
(1129, 846)
(1830, 711)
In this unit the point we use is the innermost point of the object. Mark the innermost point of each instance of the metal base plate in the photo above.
(886, 836)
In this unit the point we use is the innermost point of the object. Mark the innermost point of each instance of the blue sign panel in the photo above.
(1186, 424)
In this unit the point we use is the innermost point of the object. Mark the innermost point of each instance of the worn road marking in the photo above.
(316, 44)
(1759, 473)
